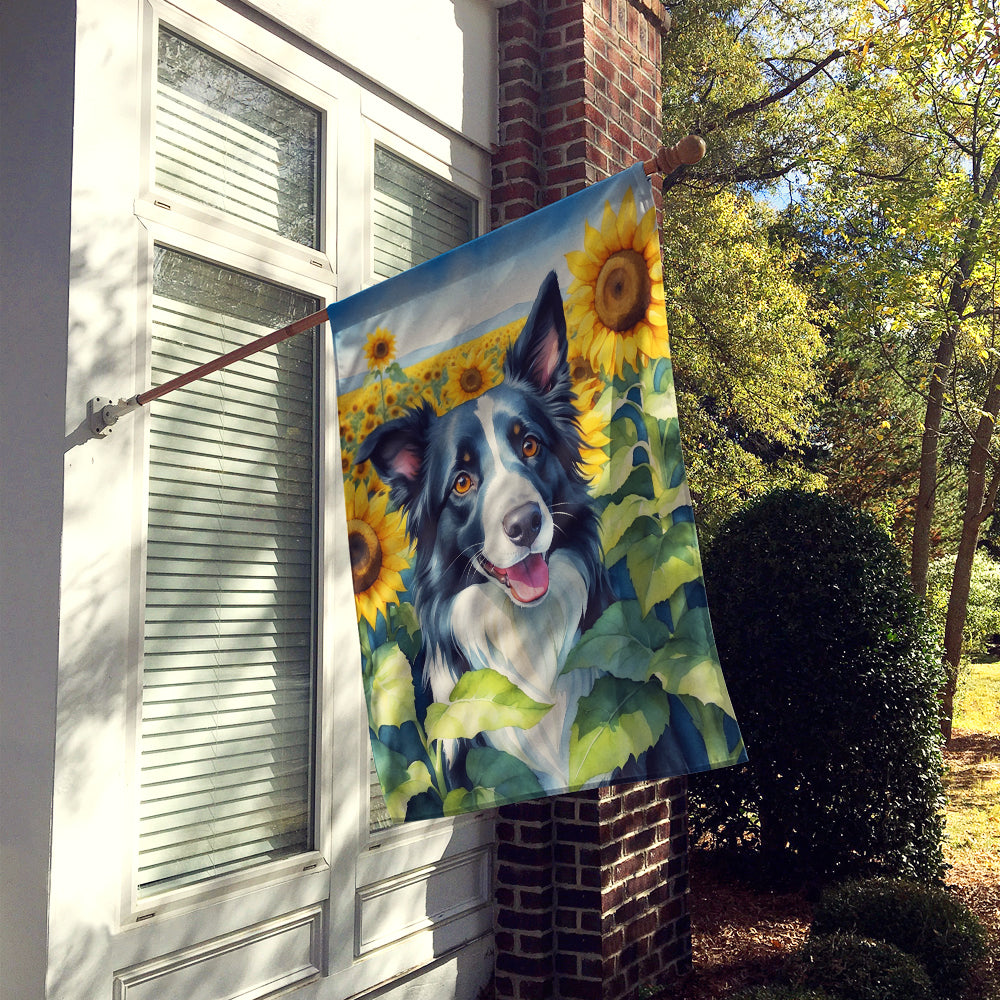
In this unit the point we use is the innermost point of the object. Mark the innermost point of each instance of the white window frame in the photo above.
(181, 224)
(352, 874)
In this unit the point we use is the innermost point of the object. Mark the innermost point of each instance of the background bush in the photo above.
(982, 620)
(856, 968)
(834, 672)
(926, 922)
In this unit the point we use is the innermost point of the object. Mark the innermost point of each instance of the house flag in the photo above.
(528, 585)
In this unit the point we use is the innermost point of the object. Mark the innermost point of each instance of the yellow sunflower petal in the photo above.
(603, 355)
(594, 244)
(626, 220)
(645, 233)
(656, 314)
(582, 266)
(609, 232)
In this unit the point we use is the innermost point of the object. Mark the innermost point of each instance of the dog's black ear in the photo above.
(539, 353)
(396, 449)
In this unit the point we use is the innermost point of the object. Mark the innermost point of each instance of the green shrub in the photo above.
(856, 968)
(925, 922)
(834, 672)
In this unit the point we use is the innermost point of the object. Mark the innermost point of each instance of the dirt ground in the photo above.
(742, 935)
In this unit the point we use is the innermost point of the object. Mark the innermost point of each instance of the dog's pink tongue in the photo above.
(529, 579)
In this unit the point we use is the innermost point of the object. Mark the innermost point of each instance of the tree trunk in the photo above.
(920, 553)
(979, 500)
(958, 300)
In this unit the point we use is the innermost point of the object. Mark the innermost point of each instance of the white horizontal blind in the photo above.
(228, 676)
(416, 215)
(228, 140)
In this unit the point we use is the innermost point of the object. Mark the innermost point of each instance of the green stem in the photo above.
(437, 757)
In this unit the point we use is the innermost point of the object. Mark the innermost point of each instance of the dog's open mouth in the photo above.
(528, 580)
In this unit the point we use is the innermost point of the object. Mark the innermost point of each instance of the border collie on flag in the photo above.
(527, 578)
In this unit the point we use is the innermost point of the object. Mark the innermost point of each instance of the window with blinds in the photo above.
(416, 216)
(229, 651)
(228, 679)
(230, 141)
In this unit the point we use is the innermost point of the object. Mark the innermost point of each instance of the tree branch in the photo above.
(754, 106)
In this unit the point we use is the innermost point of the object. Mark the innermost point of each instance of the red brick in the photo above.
(514, 875)
(541, 944)
(573, 988)
(529, 899)
(570, 132)
(518, 920)
(520, 965)
(567, 964)
(589, 944)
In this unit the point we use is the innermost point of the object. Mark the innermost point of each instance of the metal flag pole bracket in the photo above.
(103, 413)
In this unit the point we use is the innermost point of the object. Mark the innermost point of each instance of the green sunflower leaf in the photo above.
(617, 721)
(463, 800)
(510, 778)
(401, 780)
(483, 700)
(710, 722)
(496, 778)
(689, 664)
(660, 563)
(621, 642)
(392, 699)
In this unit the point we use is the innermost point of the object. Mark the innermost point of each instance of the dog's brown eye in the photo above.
(463, 483)
(529, 446)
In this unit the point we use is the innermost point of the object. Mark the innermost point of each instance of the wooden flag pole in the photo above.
(687, 152)
(103, 413)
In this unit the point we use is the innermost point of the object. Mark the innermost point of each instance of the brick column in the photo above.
(591, 889)
(579, 96)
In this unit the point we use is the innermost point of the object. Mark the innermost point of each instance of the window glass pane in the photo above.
(231, 141)
(416, 215)
(228, 657)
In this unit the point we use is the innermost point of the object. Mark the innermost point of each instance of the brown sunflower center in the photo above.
(580, 369)
(380, 350)
(366, 554)
(471, 380)
(622, 294)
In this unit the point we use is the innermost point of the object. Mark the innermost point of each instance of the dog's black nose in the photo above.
(522, 524)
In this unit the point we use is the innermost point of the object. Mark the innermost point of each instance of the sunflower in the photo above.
(380, 349)
(616, 299)
(469, 375)
(379, 550)
(593, 423)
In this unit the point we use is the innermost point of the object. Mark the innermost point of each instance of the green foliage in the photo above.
(617, 720)
(983, 612)
(857, 968)
(747, 353)
(924, 921)
(834, 673)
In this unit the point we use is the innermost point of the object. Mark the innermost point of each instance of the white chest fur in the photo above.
(529, 646)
